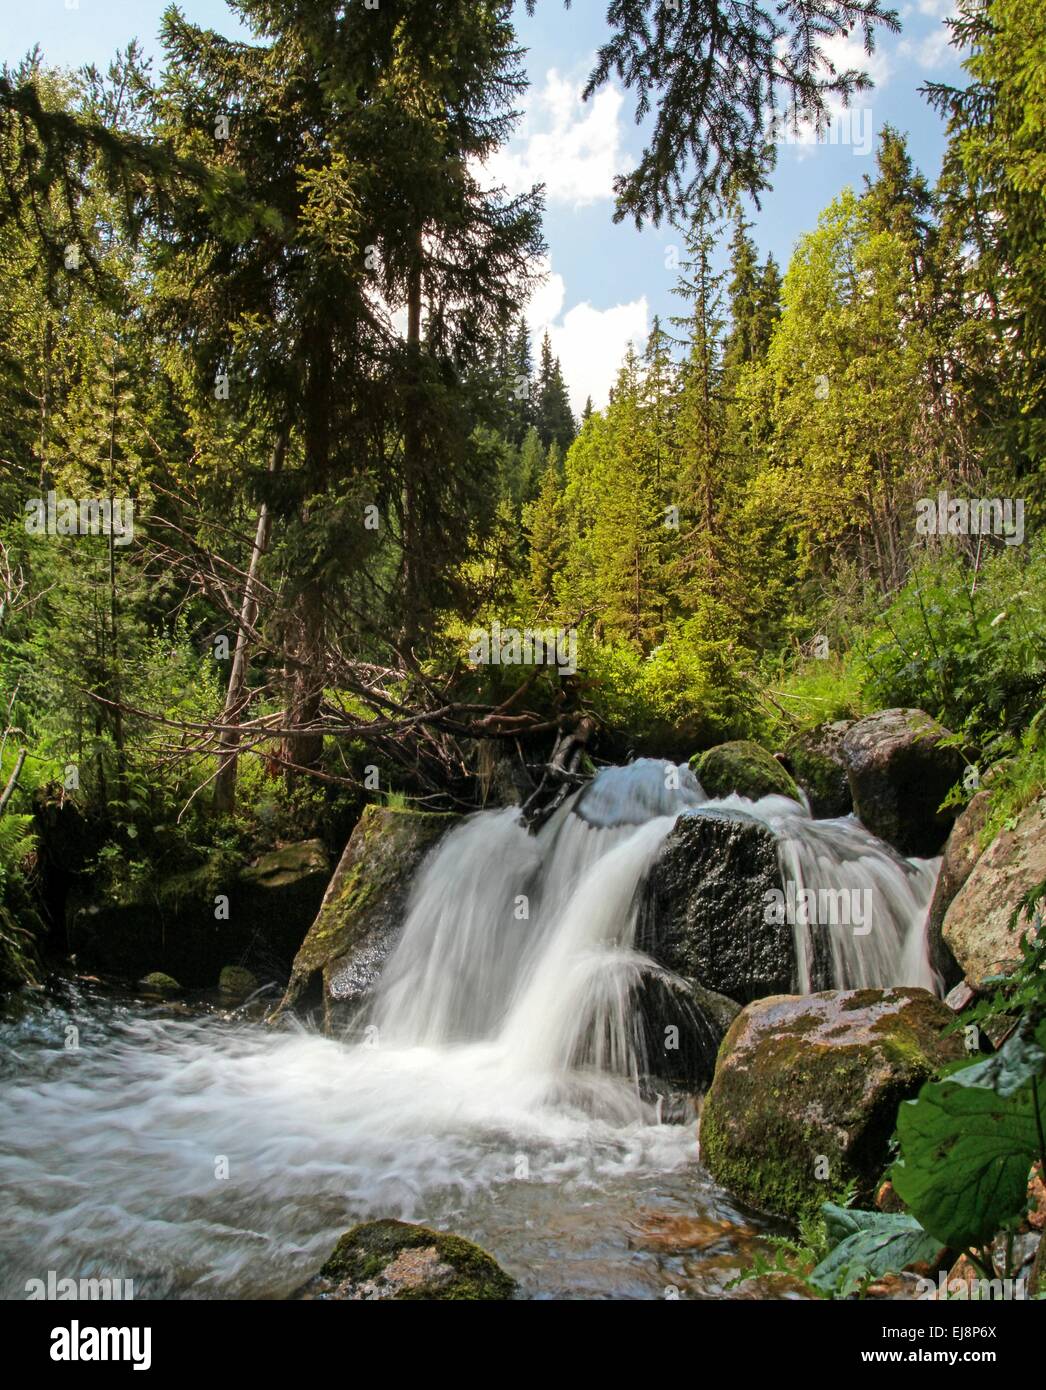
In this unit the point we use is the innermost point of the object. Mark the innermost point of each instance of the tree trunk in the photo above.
(412, 448)
(225, 782)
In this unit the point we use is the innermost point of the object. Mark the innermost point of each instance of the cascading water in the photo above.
(495, 1085)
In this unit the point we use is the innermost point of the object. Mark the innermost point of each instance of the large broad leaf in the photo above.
(968, 1143)
(1020, 1060)
(870, 1244)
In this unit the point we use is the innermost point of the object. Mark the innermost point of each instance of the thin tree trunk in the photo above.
(412, 461)
(45, 404)
(225, 782)
(114, 645)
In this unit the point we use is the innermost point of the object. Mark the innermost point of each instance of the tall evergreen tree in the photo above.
(700, 419)
(360, 130)
(554, 418)
(521, 385)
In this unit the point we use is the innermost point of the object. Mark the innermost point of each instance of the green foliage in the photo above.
(865, 1245)
(17, 842)
(796, 1258)
(971, 650)
(1017, 780)
(968, 1143)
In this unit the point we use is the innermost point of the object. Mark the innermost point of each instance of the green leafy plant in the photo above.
(867, 1245)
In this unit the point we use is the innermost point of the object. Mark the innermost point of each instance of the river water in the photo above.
(494, 1088)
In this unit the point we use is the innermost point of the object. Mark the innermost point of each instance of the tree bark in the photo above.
(225, 782)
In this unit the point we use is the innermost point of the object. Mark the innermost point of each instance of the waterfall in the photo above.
(500, 1060)
(527, 941)
(830, 857)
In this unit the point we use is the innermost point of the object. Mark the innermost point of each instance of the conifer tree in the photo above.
(700, 419)
(360, 129)
(554, 418)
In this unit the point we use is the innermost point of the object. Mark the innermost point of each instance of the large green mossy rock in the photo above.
(703, 914)
(806, 1092)
(976, 926)
(815, 759)
(196, 922)
(363, 908)
(397, 1260)
(900, 771)
(742, 768)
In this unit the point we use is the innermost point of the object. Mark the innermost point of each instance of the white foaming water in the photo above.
(506, 1054)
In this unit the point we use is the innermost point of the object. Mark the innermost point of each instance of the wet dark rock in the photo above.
(815, 760)
(397, 1260)
(186, 928)
(237, 982)
(899, 774)
(682, 1026)
(703, 907)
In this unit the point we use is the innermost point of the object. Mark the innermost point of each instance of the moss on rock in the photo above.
(744, 768)
(815, 760)
(806, 1091)
(160, 983)
(237, 981)
(398, 1260)
(362, 909)
(183, 927)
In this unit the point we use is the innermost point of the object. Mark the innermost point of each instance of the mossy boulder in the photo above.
(703, 915)
(401, 1261)
(193, 923)
(815, 760)
(743, 768)
(363, 908)
(157, 982)
(236, 981)
(806, 1092)
(976, 927)
(900, 772)
(961, 853)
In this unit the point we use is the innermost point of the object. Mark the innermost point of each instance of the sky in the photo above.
(605, 282)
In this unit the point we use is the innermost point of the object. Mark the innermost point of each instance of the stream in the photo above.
(493, 1089)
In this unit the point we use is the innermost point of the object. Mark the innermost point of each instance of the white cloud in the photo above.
(933, 51)
(854, 126)
(845, 52)
(571, 146)
(590, 343)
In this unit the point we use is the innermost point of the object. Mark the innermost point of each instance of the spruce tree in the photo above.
(700, 420)
(359, 129)
(554, 418)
